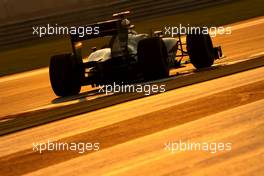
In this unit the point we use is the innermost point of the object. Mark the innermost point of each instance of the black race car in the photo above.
(127, 58)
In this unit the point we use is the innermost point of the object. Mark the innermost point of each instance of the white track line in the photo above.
(24, 74)
(247, 24)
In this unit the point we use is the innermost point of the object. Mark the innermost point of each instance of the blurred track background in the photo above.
(22, 51)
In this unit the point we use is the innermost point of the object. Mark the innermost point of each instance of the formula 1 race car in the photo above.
(127, 58)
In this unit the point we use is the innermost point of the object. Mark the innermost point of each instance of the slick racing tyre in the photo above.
(65, 75)
(200, 50)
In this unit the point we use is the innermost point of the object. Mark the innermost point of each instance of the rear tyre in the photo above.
(65, 77)
(152, 56)
(200, 49)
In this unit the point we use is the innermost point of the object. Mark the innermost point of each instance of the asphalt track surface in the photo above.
(132, 134)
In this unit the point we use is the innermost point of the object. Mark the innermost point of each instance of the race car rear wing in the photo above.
(102, 29)
(105, 28)
(117, 28)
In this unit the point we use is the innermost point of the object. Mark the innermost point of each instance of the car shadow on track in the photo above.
(83, 96)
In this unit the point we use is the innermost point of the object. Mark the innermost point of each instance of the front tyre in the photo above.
(200, 49)
(65, 77)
